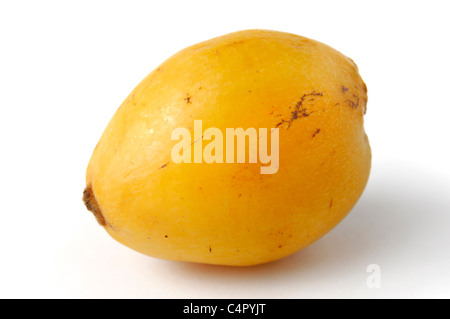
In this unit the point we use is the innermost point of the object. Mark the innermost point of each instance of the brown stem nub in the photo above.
(92, 205)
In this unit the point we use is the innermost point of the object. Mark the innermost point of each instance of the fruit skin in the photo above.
(230, 214)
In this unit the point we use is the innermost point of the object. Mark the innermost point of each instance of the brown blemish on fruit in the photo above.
(316, 132)
(351, 103)
(331, 203)
(164, 165)
(355, 101)
(300, 111)
(92, 205)
(188, 99)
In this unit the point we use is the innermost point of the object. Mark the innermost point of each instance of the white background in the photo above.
(65, 67)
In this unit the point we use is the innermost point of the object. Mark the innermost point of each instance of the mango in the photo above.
(239, 150)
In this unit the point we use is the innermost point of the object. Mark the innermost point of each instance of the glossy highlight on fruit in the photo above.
(230, 213)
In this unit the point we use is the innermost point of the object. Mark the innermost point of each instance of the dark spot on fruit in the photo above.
(164, 165)
(300, 111)
(91, 204)
(353, 103)
(316, 132)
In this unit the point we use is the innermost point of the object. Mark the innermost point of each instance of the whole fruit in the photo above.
(177, 203)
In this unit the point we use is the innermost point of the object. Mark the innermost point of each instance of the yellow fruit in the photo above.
(232, 213)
